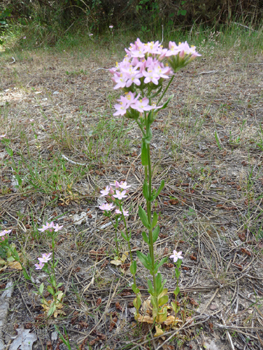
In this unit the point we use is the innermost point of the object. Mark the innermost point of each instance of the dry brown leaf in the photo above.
(15, 265)
(2, 262)
(170, 320)
(158, 331)
(116, 262)
(147, 319)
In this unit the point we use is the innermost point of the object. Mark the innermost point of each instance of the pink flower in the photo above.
(121, 108)
(173, 49)
(2, 136)
(48, 226)
(45, 258)
(176, 255)
(125, 212)
(120, 194)
(57, 227)
(5, 232)
(107, 206)
(39, 266)
(120, 81)
(124, 185)
(142, 105)
(115, 184)
(130, 98)
(105, 192)
(110, 27)
(153, 47)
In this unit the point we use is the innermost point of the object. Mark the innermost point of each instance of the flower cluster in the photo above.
(143, 65)
(50, 226)
(116, 190)
(4, 233)
(44, 259)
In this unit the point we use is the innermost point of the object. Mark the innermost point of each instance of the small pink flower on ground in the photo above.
(48, 226)
(39, 266)
(124, 185)
(110, 27)
(107, 206)
(176, 255)
(119, 194)
(125, 212)
(115, 184)
(90, 34)
(2, 136)
(5, 232)
(105, 192)
(57, 227)
(45, 258)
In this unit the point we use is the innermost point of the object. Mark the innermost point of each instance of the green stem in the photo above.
(148, 203)
(167, 87)
(116, 238)
(129, 244)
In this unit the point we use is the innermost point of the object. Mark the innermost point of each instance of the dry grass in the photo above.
(56, 109)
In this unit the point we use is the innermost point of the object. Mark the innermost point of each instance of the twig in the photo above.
(242, 25)
(71, 161)
(228, 334)
(14, 60)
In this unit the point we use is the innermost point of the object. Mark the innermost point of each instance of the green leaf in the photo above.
(143, 217)
(156, 233)
(51, 310)
(163, 300)
(150, 287)
(41, 288)
(124, 236)
(137, 302)
(149, 136)
(159, 284)
(135, 289)
(50, 290)
(156, 268)
(159, 189)
(156, 93)
(144, 260)
(9, 151)
(144, 154)
(145, 237)
(27, 277)
(179, 263)
(166, 103)
(155, 306)
(133, 267)
(155, 219)
(145, 190)
(176, 291)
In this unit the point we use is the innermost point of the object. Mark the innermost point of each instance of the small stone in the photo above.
(54, 336)
(213, 306)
